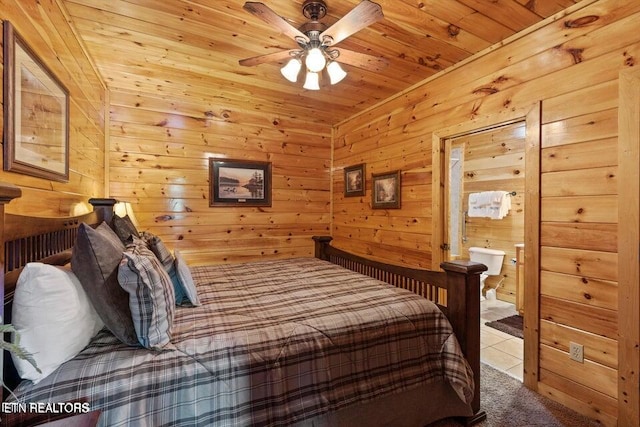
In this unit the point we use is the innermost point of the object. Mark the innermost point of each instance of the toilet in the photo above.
(492, 258)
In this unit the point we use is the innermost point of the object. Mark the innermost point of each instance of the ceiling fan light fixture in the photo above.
(315, 60)
(312, 82)
(336, 73)
(316, 41)
(291, 70)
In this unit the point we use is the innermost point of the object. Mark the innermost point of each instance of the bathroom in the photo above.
(481, 163)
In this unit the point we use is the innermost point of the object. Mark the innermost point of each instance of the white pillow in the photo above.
(53, 317)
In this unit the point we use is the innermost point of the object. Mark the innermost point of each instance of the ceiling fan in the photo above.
(316, 41)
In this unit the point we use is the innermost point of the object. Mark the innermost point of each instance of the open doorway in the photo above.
(484, 185)
(530, 198)
(490, 164)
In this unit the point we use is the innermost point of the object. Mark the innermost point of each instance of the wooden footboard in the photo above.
(454, 290)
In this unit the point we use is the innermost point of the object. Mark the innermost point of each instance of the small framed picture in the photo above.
(354, 180)
(239, 182)
(385, 193)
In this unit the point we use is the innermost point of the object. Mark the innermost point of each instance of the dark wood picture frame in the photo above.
(386, 190)
(239, 182)
(354, 180)
(36, 113)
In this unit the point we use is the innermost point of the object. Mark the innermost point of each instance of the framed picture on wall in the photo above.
(239, 182)
(36, 113)
(385, 192)
(354, 179)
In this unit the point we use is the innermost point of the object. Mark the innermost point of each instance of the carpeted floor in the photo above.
(509, 403)
(511, 325)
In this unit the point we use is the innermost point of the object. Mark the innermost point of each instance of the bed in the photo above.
(332, 340)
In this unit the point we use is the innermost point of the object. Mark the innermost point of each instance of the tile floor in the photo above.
(502, 351)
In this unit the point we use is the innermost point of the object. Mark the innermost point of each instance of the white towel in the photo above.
(480, 204)
(500, 204)
(489, 204)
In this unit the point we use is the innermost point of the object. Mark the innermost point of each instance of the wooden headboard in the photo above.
(29, 239)
(43, 239)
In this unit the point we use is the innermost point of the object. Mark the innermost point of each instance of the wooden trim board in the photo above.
(628, 250)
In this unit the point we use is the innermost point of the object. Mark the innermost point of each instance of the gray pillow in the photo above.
(95, 261)
(124, 228)
(108, 233)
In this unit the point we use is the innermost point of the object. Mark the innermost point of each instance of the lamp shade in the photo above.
(315, 60)
(291, 70)
(79, 208)
(336, 73)
(312, 82)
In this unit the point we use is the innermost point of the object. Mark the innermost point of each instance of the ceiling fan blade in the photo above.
(269, 57)
(263, 12)
(361, 16)
(362, 60)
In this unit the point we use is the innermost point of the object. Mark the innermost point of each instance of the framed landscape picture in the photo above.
(239, 182)
(36, 113)
(354, 179)
(385, 193)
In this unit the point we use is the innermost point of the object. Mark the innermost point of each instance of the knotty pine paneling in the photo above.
(591, 154)
(572, 69)
(64, 55)
(574, 395)
(158, 161)
(200, 42)
(599, 349)
(603, 378)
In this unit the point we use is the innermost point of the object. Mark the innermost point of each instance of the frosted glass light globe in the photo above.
(336, 73)
(315, 60)
(291, 70)
(312, 82)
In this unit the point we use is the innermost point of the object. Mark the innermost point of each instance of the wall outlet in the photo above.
(576, 352)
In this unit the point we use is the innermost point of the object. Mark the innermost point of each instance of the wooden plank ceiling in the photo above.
(190, 48)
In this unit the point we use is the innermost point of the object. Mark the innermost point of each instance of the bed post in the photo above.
(322, 242)
(104, 208)
(463, 302)
(8, 192)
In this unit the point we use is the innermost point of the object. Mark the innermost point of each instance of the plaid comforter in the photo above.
(273, 343)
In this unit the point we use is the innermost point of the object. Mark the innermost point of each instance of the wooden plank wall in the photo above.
(571, 65)
(45, 28)
(178, 105)
(160, 143)
(494, 160)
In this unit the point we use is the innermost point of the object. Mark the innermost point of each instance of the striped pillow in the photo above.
(158, 247)
(168, 262)
(151, 295)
